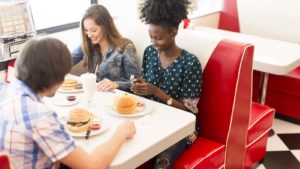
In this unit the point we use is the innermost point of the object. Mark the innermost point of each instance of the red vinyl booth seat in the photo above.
(224, 110)
(261, 120)
(256, 128)
(4, 161)
(284, 94)
(211, 155)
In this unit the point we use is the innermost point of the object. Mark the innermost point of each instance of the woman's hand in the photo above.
(142, 87)
(106, 85)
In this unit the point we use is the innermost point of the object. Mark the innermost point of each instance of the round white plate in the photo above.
(148, 109)
(61, 100)
(71, 77)
(104, 126)
(70, 91)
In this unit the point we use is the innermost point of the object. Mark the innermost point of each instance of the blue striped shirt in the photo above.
(30, 132)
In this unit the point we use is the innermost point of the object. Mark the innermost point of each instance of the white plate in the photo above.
(61, 100)
(148, 109)
(70, 91)
(71, 77)
(104, 126)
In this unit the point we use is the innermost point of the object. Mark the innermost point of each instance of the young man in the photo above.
(30, 132)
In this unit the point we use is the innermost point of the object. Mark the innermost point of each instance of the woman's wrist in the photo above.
(117, 85)
(153, 90)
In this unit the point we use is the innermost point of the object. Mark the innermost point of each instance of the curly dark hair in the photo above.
(164, 12)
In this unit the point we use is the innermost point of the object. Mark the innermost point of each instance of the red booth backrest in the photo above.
(224, 107)
(4, 161)
(229, 16)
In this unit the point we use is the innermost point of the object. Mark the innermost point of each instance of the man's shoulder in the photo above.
(35, 106)
(3, 86)
(3, 92)
(19, 98)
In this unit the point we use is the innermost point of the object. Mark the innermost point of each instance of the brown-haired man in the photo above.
(30, 132)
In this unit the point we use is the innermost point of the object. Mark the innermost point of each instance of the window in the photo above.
(57, 14)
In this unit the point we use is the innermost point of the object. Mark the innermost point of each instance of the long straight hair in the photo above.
(102, 18)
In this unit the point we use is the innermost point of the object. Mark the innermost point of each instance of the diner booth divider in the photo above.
(224, 109)
(237, 16)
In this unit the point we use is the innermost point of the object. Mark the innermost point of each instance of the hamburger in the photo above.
(79, 120)
(126, 104)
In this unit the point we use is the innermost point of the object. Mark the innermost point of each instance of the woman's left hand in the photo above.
(106, 85)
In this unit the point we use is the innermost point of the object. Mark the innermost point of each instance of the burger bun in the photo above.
(79, 120)
(125, 104)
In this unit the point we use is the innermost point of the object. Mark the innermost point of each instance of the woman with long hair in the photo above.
(105, 51)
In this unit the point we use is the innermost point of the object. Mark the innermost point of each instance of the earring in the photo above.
(173, 37)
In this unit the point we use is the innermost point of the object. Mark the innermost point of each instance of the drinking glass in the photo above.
(89, 87)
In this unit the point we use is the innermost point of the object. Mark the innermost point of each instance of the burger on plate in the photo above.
(79, 120)
(126, 104)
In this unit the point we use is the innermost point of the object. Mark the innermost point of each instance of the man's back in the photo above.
(30, 132)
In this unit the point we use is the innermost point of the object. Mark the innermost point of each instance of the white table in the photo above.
(270, 56)
(163, 127)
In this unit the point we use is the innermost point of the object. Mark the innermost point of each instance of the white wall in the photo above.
(210, 20)
(124, 8)
(278, 19)
(206, 7)
(206, 14)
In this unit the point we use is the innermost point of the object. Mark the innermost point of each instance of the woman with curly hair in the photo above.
(105, 51)
(171, 75)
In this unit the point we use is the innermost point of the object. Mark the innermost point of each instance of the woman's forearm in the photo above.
(158, 93)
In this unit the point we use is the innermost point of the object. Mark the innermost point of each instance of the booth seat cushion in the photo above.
(286, 105)
(284, 94)
(285, 98)
(261, 120)
(4, 161)
(288, 84)
(256, 151)
(211, 155)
